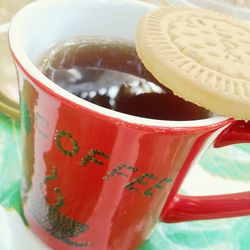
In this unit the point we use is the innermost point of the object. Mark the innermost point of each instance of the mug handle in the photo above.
(188, 208)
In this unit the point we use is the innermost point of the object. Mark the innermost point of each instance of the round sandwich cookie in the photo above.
(203, 56)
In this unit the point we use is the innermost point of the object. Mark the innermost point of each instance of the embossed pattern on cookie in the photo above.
(202, 55)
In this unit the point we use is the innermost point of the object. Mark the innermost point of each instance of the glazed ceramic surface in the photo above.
(95, 178)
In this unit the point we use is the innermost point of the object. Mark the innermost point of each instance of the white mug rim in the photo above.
(31, 70)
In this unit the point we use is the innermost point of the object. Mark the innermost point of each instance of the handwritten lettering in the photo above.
(90, 157)
(139, 180)
(158, 185)
(120, 170)
(59, 135)
(116, 171)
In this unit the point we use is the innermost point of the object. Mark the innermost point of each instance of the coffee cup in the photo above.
(95, 178)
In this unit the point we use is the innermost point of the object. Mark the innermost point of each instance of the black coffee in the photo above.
(109, 73)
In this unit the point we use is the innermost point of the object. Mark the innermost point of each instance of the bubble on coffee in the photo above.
(109, 73)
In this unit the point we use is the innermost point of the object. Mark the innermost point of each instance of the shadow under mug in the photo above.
(95, 178)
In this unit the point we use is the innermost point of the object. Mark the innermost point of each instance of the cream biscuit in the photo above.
(202, 55)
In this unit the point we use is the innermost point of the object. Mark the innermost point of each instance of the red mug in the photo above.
(96, 178)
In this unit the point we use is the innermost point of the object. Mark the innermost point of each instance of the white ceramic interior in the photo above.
(46, 22)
